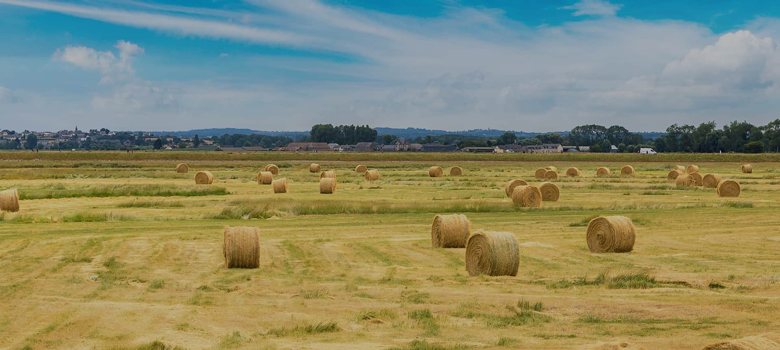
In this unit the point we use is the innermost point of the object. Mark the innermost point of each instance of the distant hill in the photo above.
(296, 135)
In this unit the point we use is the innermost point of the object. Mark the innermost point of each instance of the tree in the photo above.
(31, 141)
(389, 139)
(196, 141)
(507, 138)
(158, 143)
(550, 138)
(754, 147)
(587, 135)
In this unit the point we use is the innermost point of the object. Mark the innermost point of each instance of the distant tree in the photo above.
(550, 138)
(196, 141)
(158, 143)
(31, 141)
(754, 147)
(389, 139)
(507, 138)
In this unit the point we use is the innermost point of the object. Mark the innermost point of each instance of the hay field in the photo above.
(127, 254)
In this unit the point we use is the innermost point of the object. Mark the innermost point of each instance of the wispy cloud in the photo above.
(593, 8)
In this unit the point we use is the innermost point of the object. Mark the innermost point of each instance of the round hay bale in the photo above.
(272, 168)
(754, 342)
(551, 168)
(693, 168)
(435, 171)
(611, 234)
(685, 180)
(372, 175)
(698, 180)
(680, 168)
(627, 170)
(450, 231)
(280, 185)
(510, 186)
(539, 173)
(9, 200)
(241, 247)
(361, 169)
(328, 174)
(674, 174)
(327, 185)
(747, 168)
(265, 178)
(710, 180)
(550, 192)
(314, 168)
(603, 172)
(551, 175)
(182, 168)
(456, 171)
(204, 178)
(728, 188)
(573, 172)
(492, 254)
(527, 196)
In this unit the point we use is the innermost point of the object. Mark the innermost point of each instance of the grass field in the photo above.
(124, 253)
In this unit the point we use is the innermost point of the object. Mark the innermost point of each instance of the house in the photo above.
(513, 148)
(613, 149)
(415, 147)
(389, 148)
(584, 148)
(364, 147)
(479, 149)
(437, 147)
(545, 148)
(307, 147)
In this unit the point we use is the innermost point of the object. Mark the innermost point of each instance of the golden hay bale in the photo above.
(674, 174)
(361, 169)
(265, 178)
(450, 231)
(770, 341)
(492, 254)
(328, 174)
(241, 247)
(372, 175)
(9, 200)
(550, 192)
(527, 196)
(327, 185)
(680, 168)
(280, 185)
(272, 168)
(510, 186)
(698, 180)
(611, 234)
(539, 173)
(685, 180)
(710, 180)
(314, 168)
(551, 168)
(456, 171)
(435, 171)
(551, 175)
(573, 172)
(747, 168)
(182, 168)
(693, 168)
(603, 172)
(728, 188)
(204, 178)
(627, 170)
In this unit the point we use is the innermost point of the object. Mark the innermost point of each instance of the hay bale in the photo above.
(241, 247)
(573, 172)
(361, 169)
(611, 234)
(182, 168)
(747, 168)
(272, 168)
(372, 175)
(769, 341)
(674, 174)
(327, 185)
(527, 196)
(331, 174)
(728, 188)
(684, 180)
(551, 175)
(603, 172)
(539, 173)
(435, 171)
(265, 178)
(492, 254)
(314, 168)
(204, 178)
(693, 168)
(550, 192)
(510, 186)
(456, 171)
(698, 180)
(627, 170)
(9, 200)
(710, 180)
(550, 167)
(280, 185)
(681, 168)
(450, 231)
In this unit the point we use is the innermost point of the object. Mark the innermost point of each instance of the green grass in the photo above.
(309, 329)
(623, 281)
(61, 191)
(424, 345)
(155, 345)
(150, 204)
(425, 320)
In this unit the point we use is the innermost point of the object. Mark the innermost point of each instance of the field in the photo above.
(118, 251)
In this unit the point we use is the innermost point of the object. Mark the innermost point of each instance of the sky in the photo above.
(530, 65)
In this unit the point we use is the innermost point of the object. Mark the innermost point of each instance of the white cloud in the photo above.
(6, 95)
(593, 8)
(111, 67)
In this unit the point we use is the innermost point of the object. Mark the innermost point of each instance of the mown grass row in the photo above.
(62, 191)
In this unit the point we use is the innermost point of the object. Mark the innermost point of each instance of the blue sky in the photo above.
(531, 65)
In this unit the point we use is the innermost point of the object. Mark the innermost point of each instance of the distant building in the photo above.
(546, 148)
(584, 148)
(479, 149)
(513, 148)
(365, 147)
(437, 147)
(307, 147)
